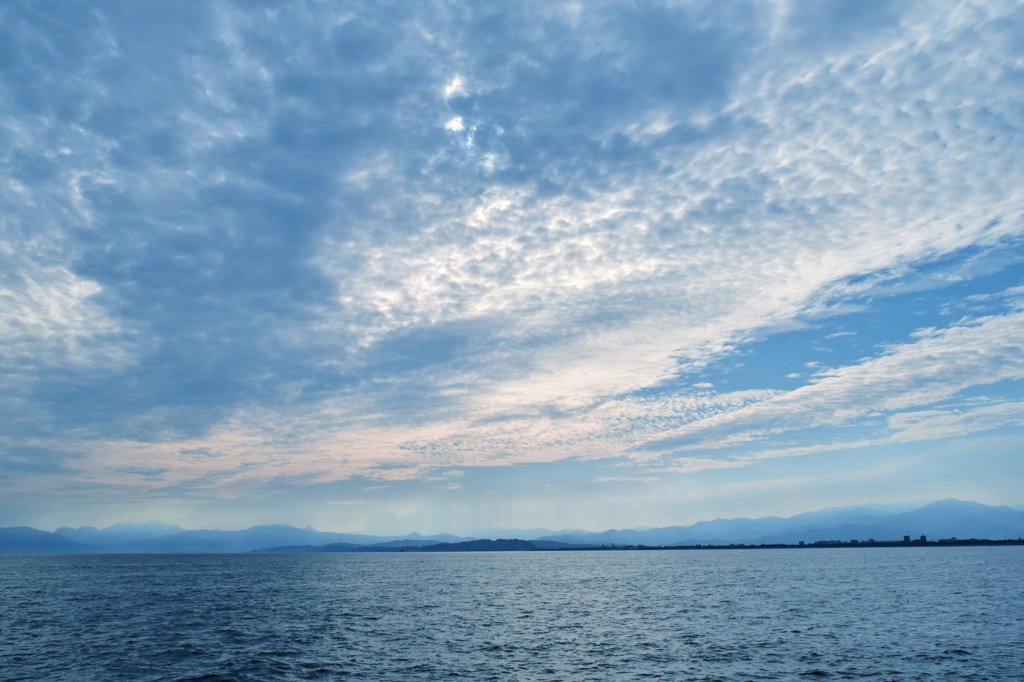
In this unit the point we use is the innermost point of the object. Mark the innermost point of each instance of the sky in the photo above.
(430, 266)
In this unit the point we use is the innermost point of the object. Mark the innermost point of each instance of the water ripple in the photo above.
(907, 614)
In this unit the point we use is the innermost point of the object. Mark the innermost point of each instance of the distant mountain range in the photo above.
(944, 519)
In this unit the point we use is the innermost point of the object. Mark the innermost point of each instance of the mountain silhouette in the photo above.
(937, 520)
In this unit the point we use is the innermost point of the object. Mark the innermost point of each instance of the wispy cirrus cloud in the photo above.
(937, 366)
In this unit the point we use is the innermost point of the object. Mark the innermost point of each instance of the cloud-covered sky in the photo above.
(455, 266)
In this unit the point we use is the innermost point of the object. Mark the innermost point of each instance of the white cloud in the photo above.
(954, 422)
(53, 320)
(696, 465)
(455, 87)
(935, 367)
(617, 479)
(798, 198)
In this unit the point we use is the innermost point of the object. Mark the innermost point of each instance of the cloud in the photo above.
(455, 87)
(695, 465)
(616, 479)
(954, 422)
(331, 242)
(935, 367)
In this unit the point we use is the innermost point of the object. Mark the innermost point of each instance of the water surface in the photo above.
(887, 614)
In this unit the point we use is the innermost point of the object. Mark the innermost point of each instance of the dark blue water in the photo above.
(883, 614)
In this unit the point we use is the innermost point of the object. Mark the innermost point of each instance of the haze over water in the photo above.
(907, 614)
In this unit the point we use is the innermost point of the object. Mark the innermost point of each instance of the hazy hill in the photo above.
(240, 540)
(24, 540)
(502, 545)
(390, 546)
(160, 537)
(725, 531)
(483, 545)
(960, 519)
(947, 518)
(943, 519)
(651, 536)
(119, 532)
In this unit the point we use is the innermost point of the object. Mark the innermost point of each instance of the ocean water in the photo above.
(885, 614)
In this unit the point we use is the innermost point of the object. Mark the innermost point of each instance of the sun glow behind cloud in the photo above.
(247, 252)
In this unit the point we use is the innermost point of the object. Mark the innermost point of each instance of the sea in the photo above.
(928, 613)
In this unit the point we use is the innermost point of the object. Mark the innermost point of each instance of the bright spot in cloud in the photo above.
(455, 87)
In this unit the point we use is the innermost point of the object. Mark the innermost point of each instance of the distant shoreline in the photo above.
(479, 546)
(517, 545)
(824, 544)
